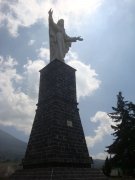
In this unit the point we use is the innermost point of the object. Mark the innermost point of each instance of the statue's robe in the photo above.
(60, 42)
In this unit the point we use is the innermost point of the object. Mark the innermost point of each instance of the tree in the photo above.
(107, 167)
(123, 147)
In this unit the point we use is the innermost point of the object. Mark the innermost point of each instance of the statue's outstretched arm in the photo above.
(73, 39)
(79, 38)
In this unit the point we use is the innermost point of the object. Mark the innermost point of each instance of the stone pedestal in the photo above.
(57, 137)
(57, 143)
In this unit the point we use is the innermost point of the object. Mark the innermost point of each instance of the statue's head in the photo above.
(60, 23)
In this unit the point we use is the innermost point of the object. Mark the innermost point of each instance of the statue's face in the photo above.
(60, 23)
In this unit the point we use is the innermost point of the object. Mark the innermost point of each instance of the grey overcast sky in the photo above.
(105, 61)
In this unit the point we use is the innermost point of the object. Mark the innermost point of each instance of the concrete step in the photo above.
(60, 173)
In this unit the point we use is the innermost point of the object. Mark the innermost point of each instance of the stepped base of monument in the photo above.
(59, 173)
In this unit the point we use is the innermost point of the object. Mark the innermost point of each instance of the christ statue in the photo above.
(60, 42)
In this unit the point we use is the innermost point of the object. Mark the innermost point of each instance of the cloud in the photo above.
(31, 76)
(44, 53)
(86, 77)
(17, 106)
(101, 155)
(15, 14)
(103, 128)
(20, 13)
(31, 42)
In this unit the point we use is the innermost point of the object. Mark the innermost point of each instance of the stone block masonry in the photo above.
(57, 137)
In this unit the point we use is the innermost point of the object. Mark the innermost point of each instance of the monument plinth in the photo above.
(57, 137)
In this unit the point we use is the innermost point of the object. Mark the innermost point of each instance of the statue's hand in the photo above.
(79, 38)
(50, 12)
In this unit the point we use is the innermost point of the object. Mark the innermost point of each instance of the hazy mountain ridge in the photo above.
(11, 148)
(98, 163)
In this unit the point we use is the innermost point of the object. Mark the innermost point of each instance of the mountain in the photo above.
(11, 148)
(98, 163)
